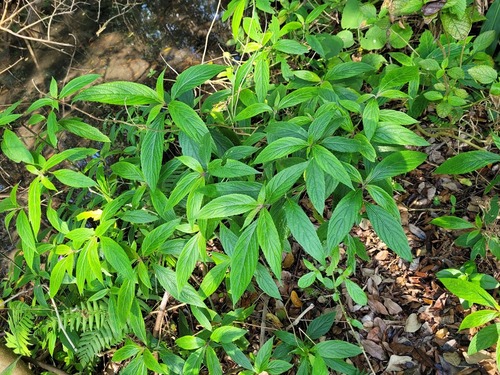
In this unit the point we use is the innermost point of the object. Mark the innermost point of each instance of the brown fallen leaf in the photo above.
(374, 349)
(392, 307)
(398, 363)
(288, 261)
(412, 324)
(377, 306)
(294, 297)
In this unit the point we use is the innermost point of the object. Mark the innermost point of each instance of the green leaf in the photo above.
(227, 205)
(396, 117)
(151, 362)
(485, 338)
(352, 17)
(392, 134)
(396, 164)
(152, 152)
(469, 291)
(212, 362)
(269, 241)
(57, 273)
(230, 168)
(478, 318)
(126, 296)
(279, 148)
(244, 261)
(158, 237)
(76, 84)
(316, 186)
(35, 205)
(343, 218)
(83, 130)
(182, 188)
(383, 199)
(348, 70)
(73, 178)
(253, 110)
(389, 230)
(194, 76)
(138, 217)
(320, 325)
(266, 282)
(331, 165)
(187, 259)
(214, 278)
(15, 149)
(375, 38)
(483, 74)
(120, 93)
(71, 154)
(128, 171)
(125, 352)
(457, 27)
(397, 77)
(190, 342)
(290, 46)
(227, 334)
(336, 349)
(303, 231)
(307, 75)
(117, 257)
(283, 181)
(467, 162)
(263, 356)
(357, 294)
(188, 120)
(452, 222)
(370, 118)
(297, 97)
(167, 279)
(261, 77)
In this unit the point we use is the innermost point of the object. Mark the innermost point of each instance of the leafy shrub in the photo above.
(295, 142)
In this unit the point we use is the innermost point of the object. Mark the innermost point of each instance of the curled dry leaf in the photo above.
(374, 349)
(392, 307)
(288, 260)
(412, 324)
(377, 306)
(398, 363)
(294, 297)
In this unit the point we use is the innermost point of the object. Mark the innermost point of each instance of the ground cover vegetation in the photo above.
(189, 198)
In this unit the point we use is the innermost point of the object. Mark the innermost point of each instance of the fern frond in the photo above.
(87, 316)
(94, 342)
(21, 324)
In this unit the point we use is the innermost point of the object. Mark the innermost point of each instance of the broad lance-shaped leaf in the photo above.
(467, 162)
(187, 259)
(331, 165)
(83, 130)
(167, 279)
(316, 185)
(76, 84)
(34, 204)
(117, 257)
(395, 164)
(227, 205)
(452, 222)
(283, 181)
(469, 291)
(244, 261)
(343, 218)
(269, 241)
(73, 178)
(389, 230)
(303, 231)
(120, 93)
(370, 118)
(15, 149)
(280, 148)
(28, 239)
(152, 152)
(188, 120)
(194, 76)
